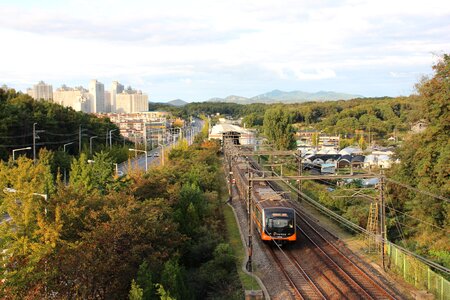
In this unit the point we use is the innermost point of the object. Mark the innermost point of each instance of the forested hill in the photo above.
(425, 165)
(60, 125)
(379, 115)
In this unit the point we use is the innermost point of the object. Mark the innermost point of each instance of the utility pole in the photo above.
(250, 223)
(145, 136)
(162, 154)
(299, 173)
(34, 142)
(35, 136)
(382, 220)
(79, 142)
(230, 177)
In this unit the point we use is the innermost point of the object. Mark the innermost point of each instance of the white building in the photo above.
(78, 98)
(108, 104)
(41, 91)
(245, 136)
(97, 96)
(131, 101)
(116, 88)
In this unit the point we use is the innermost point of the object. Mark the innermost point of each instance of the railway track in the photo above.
(358, 278)
(302, 285)
(316, 269)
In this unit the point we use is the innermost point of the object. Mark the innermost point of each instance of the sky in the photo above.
(199, 49)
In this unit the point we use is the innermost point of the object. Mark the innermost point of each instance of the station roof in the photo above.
(221, 128)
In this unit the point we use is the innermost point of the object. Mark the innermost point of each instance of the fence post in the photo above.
(404, 266)
(396, 257)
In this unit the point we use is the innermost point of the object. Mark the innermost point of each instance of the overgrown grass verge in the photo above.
(234, 239)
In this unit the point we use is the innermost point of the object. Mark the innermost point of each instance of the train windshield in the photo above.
(280, 223)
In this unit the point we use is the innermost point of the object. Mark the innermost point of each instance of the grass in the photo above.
(234, 238)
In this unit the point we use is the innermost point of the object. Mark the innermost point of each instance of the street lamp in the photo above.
(65, 171)
(11, 190)
(20, 149)
(110, 137)
(90, 143)
(146, 156)
(67, 145)
(91, 161)
(162, 154)
(117, 168)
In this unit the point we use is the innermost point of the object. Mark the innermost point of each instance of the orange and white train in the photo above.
(274, 219)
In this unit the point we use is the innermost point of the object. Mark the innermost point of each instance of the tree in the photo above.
(278, 128)
(173, 278)
(144, 280)
(362, 143)
(425, 164)
(33, 230)
(136, 293)
(96, 175)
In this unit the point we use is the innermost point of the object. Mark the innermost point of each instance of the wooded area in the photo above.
(162, 230)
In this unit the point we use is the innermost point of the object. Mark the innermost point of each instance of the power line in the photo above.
(61, 134)
(15, 136)
(417, 219)
(418, 190)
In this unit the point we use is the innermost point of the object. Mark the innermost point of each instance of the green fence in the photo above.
(417, 273)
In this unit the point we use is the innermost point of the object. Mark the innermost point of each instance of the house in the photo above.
(419, 126)
(351, 151)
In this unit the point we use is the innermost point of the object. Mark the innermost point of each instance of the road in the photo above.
(154, 155)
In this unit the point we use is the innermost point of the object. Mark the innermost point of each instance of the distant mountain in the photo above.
(288, 97)
(177, 102)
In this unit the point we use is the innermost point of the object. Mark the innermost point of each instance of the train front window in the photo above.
(280, 223)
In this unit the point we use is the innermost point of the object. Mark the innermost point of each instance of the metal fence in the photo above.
(417, 273)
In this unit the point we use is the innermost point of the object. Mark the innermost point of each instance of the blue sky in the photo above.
(196, 50)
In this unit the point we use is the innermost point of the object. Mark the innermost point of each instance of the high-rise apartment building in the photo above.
(41, 91)
(131, 101)
(78, 98)
(116, 88)
(97, 93)
(108, 106)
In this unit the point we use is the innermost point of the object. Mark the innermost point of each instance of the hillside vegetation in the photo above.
(159, 234)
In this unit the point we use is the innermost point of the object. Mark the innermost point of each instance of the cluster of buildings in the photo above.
(142, 126)
(125, 107)
(94, 99)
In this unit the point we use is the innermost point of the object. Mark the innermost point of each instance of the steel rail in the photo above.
(350, 262)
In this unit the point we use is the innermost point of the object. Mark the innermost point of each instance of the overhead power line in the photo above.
(418, 190)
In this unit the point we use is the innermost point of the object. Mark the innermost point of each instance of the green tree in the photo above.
(425, 164)
(136, 293)
(94, 175)
(362, 143)
(173, 278)
(163, 294)
(34, 227)
(144, 280)
(278, 128)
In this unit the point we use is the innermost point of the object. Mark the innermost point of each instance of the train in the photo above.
(275, 221)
